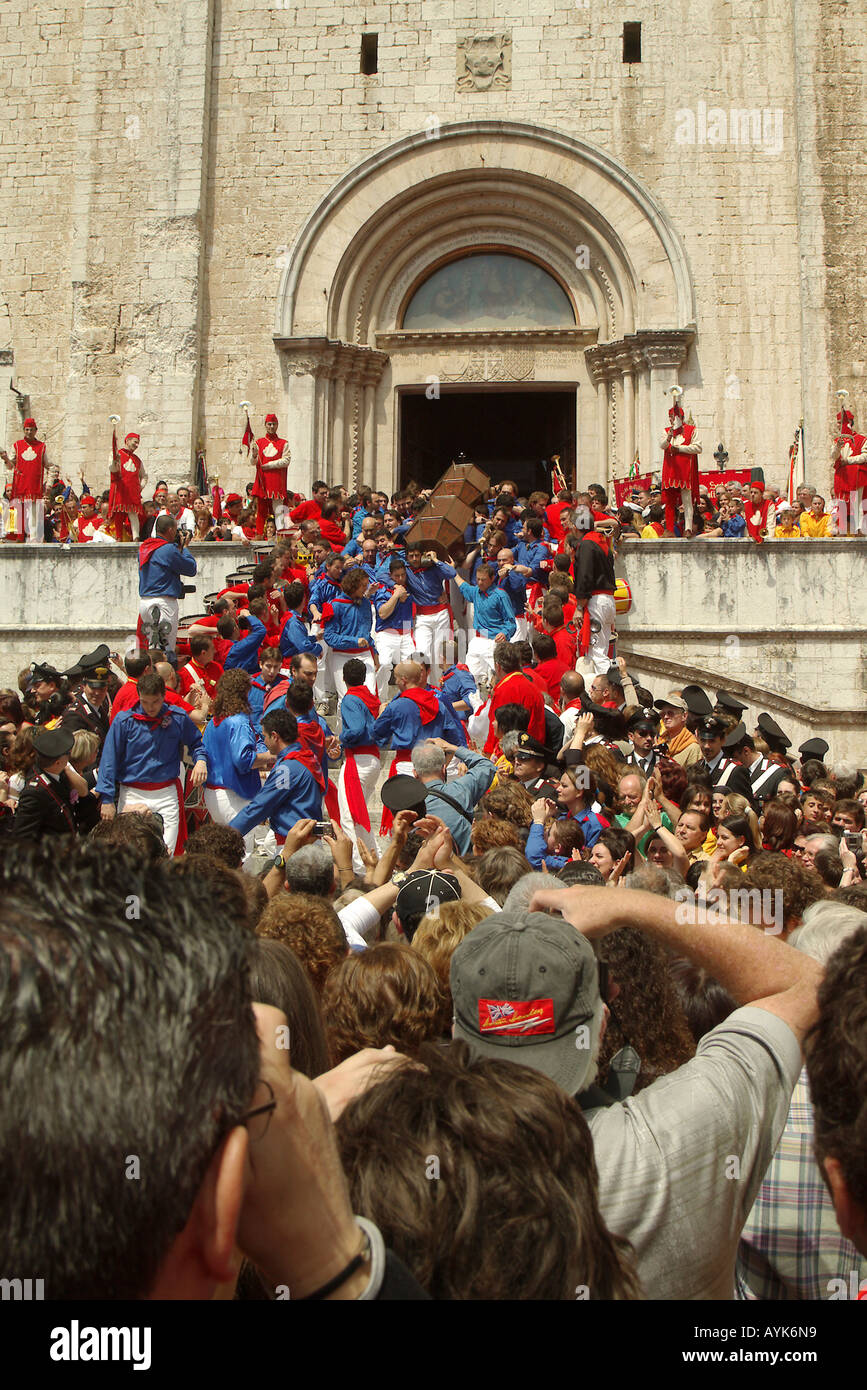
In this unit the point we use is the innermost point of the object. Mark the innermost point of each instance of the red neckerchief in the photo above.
(147, 548)
(458, 666)
(425, 701)
(307, 759)
(161, 720)
(573, 704)
(366, 696)
(598, 539)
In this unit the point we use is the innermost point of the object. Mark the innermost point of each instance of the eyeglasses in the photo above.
(260, 1116)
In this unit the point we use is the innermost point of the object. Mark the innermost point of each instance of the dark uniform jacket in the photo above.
(45, 808)
(80, 714)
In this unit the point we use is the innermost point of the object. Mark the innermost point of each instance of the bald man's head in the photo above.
(168, 673)
(408, 673)
(572, 684)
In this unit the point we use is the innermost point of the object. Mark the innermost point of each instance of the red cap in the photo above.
(87, 501)
(29, 421)
(758, 487)
(269, 418)
(233, 497)
(133, 435)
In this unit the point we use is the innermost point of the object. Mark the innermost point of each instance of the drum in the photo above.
(622, 596)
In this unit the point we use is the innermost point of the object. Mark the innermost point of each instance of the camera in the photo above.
(322, 827)
(188, 589)
(853, 840)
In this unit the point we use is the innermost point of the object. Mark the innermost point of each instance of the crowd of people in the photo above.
(376, 935)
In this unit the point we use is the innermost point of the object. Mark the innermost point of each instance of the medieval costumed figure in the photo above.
(128, 477)
(26, 505)
(269, 489)
(849, 457)
(679, 467)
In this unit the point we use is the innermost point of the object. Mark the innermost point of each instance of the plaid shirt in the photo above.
(791, 1246)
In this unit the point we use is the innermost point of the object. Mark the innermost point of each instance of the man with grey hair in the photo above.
(454, 801)
(311, 870)
(814, 843)
(791, 1246)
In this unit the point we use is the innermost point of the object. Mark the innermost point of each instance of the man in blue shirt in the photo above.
(244, 651)
(161, 564)
(294, 635)
(294, 787)
(426, 580)
(394, 619)
(514, 585)
(429, 765)
(141, 759)
(494, 622)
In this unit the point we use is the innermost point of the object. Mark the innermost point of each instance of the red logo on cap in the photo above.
(516, 1016)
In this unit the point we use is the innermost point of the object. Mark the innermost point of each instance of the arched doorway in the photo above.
(584, 313)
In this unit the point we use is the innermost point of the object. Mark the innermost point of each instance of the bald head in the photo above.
(168, 673)
(572, 684)
(408, 673)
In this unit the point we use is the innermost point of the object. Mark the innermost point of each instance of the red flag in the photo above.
(247, 439)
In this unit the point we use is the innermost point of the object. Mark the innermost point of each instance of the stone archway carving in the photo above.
(495, 184)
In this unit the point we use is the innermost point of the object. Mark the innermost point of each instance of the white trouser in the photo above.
(167, 613)
(223, 805)
(391, 647)
(324, 685)
(27, 517)
(686, 502)
(480, 658)
(368, 772)
(164, 801)
(522, 630)
(132, 518)
(601, 607)
(433, 637)
(281, 514)
(336, 663)
(849, 519)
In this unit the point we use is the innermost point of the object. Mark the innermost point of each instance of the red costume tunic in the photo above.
(850, 477)
(681, 470)
(27, 475)
(270, 482)
(125, 492)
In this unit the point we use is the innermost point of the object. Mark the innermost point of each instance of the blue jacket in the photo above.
(399, 725)
(426, 586)
(537, 558)
(243, 655)
(458, 684)
(160, 575)
(356, 722)
(295, 639)
(323, 591)
(537, 850)
(492, 611)
(400, 617)
(136, 751)
(467, 791)
(453, 729)
(289, 794)
(256, 700)
(231, 750)
(514, 586)
(346, 625)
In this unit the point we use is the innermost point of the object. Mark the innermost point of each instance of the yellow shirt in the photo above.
(649, 534)
(788, 533)
(811, 527)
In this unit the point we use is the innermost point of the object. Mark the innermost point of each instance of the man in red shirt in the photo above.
(269, 489)
(28, 463)
(202, 670)
(330, 528)
(513, 687)
(311, 510)
(549, 665)
(127, 697)
(565, 640)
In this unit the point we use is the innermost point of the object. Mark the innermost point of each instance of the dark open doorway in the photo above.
(507, 433)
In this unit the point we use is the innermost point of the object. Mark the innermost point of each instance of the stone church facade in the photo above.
(206, 202)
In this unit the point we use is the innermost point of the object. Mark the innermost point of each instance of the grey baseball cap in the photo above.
(525, 987)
